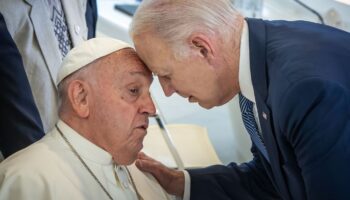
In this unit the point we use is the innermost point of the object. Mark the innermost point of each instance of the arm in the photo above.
(245, 181)
(316, 123)
(20, 123)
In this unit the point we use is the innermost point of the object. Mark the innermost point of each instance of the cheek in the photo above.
(184, 83)
(129, 147)
(116, 123)
(122, 117)
(118, 112)
(121, 121)
(207, 88)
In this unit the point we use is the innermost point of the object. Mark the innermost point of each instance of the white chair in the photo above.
(191, 142)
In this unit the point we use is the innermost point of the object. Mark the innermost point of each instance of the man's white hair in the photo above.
(175, 20)
(84, 74)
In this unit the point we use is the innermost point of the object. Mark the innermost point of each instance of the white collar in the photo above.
(84, 147)
(244, 76)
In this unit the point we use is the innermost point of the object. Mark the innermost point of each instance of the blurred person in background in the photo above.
(20, 122)
(43, 31)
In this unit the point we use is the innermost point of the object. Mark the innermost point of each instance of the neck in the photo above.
(231, 59)
(81, 126)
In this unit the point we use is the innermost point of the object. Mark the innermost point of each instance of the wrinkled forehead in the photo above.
(127, 64)
(137, 71)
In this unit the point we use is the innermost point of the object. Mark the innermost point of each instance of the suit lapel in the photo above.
(44, 33)
(257, 45)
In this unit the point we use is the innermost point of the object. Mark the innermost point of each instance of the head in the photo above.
(108, 102)
(185, 45)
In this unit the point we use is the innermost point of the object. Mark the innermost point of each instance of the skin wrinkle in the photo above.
(207, 74)
(115, 113)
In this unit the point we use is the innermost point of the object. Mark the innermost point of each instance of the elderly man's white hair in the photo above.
(175, 20)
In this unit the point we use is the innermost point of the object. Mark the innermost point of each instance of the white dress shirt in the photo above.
(244, 74)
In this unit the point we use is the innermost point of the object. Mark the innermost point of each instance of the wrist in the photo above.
(178, 183)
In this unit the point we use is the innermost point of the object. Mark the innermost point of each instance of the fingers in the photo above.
(171, 180)
(159, 171)
(143, 156)
(148, 164)
(145, 165)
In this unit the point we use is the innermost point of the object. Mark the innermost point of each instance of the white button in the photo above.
(126, 185)
(77, 29)
(264, 115)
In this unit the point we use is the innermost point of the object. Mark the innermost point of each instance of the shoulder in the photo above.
(16, 14)
(34, 172)
(26, 175)
(313, 104)
(36, 158)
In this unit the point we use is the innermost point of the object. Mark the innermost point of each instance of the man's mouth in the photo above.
(143, 126)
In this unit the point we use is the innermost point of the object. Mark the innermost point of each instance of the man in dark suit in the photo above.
(20, 123)
(293, 82)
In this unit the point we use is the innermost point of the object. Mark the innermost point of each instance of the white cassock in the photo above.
(49, 170)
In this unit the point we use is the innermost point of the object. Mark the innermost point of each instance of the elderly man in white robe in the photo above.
(104, 108)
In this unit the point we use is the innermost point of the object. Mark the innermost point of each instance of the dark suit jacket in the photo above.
(301, 80)
(91, 17)
(20, 123)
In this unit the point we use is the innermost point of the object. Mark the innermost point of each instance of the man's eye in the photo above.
(134, 91)
(166, 77)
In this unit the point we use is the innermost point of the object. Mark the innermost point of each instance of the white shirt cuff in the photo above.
(187, 188)
(187, 191)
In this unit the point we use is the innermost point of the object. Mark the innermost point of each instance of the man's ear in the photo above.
(78, 97)
(203, 44)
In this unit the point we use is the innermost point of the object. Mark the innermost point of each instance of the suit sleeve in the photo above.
(246, 181)
(20, 123)
(316, 123)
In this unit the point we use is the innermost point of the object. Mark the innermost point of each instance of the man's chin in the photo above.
(125, 160)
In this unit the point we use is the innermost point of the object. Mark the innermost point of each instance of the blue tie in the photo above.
(250, 124)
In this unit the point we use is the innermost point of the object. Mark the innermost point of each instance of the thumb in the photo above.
(145, 165)
(148, 164)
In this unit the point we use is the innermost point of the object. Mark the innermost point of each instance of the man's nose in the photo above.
(168, 89)
(148, 106)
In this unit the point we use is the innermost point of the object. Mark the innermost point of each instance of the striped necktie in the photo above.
(250, 124)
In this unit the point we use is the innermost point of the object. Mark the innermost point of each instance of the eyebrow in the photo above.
(138, 73)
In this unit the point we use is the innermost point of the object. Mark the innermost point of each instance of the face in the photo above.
(192, 77)
(121, 104)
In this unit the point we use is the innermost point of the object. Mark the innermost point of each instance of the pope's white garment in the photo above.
(49, 170)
